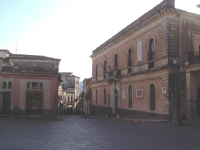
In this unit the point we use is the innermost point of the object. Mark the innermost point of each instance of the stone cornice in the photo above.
(137, 23)
(138, 30)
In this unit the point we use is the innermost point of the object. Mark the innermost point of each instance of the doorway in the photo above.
(34, 103)
(6, 102)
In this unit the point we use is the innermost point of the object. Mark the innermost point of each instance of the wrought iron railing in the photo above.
(192, 56)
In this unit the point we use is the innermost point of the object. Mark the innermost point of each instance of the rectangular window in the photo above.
(34, 85)
(96, 96)
(41, 85)
(9, 85)
(28, 85)
(4, 84)
(104, 96)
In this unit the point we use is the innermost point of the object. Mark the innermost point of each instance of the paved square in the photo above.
(79, 133)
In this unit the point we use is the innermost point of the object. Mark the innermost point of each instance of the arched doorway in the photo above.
(116, 101)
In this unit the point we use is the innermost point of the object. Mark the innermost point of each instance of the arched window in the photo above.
(90, 94)
(96, 75)
(129, 60)
(130, 97)
(152, 97)
(115, 62)
(104, 69)
(104, 96)
(151, 53)
(96, 97)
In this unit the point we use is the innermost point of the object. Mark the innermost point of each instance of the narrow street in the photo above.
(75, 132)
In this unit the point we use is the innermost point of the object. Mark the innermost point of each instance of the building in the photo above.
(69, 92)
(149, 69)
(28, 85)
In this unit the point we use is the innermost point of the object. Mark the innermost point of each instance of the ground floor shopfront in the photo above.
(28, 95)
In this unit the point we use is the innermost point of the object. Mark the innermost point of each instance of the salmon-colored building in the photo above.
(148, 70)
(28, 84)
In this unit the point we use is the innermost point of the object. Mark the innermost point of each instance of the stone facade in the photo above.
(69, 92)
(136, 70)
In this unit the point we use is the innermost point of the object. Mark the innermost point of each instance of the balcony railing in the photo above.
(114, 73)
(151, 64)
(192, 56)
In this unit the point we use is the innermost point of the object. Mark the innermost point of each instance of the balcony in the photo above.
(114, 74)
(151, 64)
(192, 56)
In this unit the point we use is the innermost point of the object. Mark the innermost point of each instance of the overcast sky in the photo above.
(69, 29)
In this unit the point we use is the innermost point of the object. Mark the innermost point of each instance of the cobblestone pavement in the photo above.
(80, 133)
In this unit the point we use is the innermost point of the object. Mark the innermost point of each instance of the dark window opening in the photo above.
(9, 85)
(41, 85)
(130, 97)
(104, 96)
(28, 85)
(34, 85)
(115, 63)
(151, 53)
(96, 75)
(4, 84)
(152, 97)
(129, 61)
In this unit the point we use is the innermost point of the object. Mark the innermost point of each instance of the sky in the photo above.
(70, 29)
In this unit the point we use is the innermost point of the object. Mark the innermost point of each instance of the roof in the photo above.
(5, 50)
(163, 4)
(21, 56)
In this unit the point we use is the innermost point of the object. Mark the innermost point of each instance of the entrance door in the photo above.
(6, 102)
(116, 101)
(34, 103)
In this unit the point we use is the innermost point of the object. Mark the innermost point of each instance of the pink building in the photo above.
(134, 73)
(28, 84)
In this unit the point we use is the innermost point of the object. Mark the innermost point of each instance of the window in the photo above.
(71, 98)
(9, 85)
(152, 96)
(68, 98)
(96, 75)
(34, 85)
(130, 97)
(151, 53)
(96, 96)
(129, 60)
(41, 85)
(104, 96)
(28, 85)
(4, 84)
(115, 62)
(104, 69)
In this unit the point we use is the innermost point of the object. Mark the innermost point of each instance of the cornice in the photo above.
(137, 31)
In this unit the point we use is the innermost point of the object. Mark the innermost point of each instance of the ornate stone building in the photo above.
(150, 69)
(28, 85)
(69, 92)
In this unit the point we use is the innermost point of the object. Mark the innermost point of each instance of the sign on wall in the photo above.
(139, 93)
(123, 94)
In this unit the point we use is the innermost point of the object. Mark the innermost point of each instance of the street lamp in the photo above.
(174, 71)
